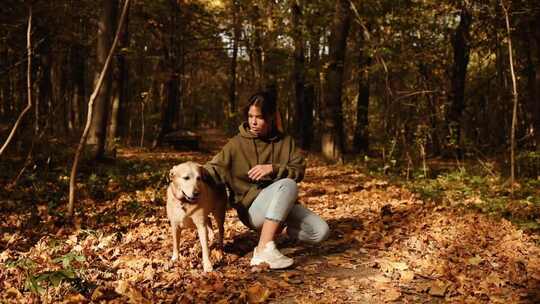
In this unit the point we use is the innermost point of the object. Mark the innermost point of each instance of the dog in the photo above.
(191, 197)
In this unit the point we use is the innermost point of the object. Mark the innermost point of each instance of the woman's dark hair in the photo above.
(264, 101)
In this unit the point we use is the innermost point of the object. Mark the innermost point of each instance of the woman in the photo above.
(262, 168)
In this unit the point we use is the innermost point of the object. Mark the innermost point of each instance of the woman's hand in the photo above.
(260, 171)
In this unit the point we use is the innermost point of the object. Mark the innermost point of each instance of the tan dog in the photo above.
(189, 202)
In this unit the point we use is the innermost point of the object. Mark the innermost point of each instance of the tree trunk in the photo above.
(119, 110)
(98, 128)
(461, 46)
(306, 126)
(258, 49)
(236, 37)
(361, 139)
(77, 77)
(43, 99)
(332, 133)
(84, 136)
(315, 64)
(535, 85)
(300, 114)
(170, 99)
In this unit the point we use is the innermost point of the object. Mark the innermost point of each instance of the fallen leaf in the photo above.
(495, 280)
(292, 277)
(476, 260)
(135, 296)
(75, 299)
(392, 294)
(257, 293)
(380, 278)
(406, 276)
(438, 289)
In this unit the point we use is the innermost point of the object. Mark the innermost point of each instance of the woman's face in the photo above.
(257, 124)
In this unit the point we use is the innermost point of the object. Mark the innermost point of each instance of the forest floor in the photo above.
(387, 243)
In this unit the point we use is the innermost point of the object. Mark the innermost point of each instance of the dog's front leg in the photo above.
(203, 237)
(175, 229)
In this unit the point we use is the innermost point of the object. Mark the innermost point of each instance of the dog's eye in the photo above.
(186, 177)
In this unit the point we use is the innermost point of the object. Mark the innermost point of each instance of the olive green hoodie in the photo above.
(244, 151)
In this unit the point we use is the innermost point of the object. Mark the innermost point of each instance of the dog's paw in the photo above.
(208, 267)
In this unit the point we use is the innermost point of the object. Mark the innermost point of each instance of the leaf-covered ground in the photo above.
(386, 244)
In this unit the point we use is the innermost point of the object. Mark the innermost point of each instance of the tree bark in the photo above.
(78, 91)
(300, 110)
(361, 138)
(332, 133)
(535, 83)
(98, 129)
(461, 47)
(119, 110)
(234, 60)
(170, 99)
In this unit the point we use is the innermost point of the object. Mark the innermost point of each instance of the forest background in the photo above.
(441, 97)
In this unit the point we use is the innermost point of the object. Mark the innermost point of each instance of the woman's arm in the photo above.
(218, 168)
(295, 166)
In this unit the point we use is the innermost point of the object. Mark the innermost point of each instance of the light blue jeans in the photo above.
(277, 202)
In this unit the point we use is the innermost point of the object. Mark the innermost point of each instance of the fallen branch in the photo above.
(29, 82)
(82, 142)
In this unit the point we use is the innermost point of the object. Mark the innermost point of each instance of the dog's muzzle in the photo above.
(190, 199)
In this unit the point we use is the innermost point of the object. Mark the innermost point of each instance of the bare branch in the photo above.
(29, 80)
(72, 180)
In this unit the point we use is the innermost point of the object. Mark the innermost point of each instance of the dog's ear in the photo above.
(171, 173)
(205, 176)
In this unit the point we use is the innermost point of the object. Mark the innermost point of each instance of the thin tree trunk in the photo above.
(28, 80)
(82, 142)
(98, 130)
(332, 133)
(514, 98)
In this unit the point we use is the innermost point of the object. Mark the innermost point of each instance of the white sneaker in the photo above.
(271, 256)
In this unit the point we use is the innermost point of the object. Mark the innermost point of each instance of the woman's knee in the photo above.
(289, 185)
(321, 233)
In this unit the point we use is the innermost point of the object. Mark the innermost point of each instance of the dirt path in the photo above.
(386, 245)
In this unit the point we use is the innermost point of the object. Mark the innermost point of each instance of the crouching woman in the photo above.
(262, 167)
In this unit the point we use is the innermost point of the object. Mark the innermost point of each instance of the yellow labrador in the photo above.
(189, 202)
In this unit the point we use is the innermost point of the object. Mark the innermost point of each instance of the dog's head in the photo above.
(186, 179)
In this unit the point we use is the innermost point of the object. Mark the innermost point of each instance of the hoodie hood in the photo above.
(244, 132)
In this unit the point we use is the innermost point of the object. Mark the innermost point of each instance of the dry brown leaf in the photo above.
(75, 299)
(391, 294)
(406, 276)
(380, 278)
(134, 295)
(438, 288)
(476, 260)
(292, 277)
(257, 293)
